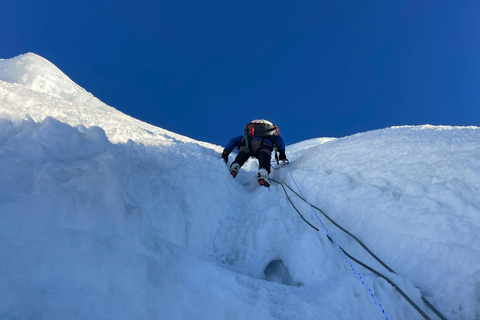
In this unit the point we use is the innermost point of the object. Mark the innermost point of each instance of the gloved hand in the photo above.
(282, 155)
(225, 154)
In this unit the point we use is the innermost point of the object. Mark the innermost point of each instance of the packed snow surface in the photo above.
(105, 217)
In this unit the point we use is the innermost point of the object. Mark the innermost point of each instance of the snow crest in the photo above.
(38, 74)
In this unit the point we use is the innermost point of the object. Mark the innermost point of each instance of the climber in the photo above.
(260, 138)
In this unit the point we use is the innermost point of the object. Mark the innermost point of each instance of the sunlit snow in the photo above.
(103, 216)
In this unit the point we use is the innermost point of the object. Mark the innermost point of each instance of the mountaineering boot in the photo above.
(234, 168)
(263, 178)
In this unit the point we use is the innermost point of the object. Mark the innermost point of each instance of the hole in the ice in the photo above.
(276, 271)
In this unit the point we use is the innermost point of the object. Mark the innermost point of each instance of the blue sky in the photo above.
(315, 68)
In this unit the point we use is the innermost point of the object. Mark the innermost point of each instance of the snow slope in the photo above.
(106, 217)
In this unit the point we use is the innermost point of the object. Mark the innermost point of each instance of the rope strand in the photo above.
(375, 300)
(415, 306)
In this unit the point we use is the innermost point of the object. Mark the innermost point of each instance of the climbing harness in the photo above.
(346, 255)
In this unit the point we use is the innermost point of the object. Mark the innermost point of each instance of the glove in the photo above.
(282, 155)
(225, 154)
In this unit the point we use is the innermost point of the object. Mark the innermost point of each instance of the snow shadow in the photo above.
(276, 271)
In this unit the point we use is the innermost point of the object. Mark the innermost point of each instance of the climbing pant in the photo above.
(260, 149)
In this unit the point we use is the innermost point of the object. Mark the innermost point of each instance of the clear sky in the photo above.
(315, 68)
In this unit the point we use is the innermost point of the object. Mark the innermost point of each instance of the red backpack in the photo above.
(261, 129)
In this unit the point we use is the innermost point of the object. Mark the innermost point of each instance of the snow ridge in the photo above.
(39, 74)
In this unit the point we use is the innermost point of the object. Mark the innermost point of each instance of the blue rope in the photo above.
(379, 305)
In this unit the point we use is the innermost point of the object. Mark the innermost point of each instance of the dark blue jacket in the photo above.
(235, 143)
